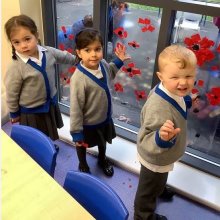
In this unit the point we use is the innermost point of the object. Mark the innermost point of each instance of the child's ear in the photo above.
(159, 75)
(78, 53)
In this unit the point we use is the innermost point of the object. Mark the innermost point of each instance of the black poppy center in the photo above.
(195, 47)
(120, 33)
(129, 69)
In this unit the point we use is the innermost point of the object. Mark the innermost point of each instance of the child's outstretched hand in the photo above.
(120, 52)
(167, 131)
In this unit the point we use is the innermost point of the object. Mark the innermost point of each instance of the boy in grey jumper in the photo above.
(162, 137)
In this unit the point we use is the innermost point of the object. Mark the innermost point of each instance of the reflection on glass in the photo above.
(137, 27)
(201, 34)
(72, 17)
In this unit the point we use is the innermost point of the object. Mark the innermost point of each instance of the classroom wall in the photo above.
(10, 8)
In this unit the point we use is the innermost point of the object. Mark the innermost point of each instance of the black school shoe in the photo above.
(160, 217)
(84, 169)
(167, 194)
(106, 167)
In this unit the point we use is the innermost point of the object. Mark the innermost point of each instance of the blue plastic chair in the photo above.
(37, 145)
(99, 199)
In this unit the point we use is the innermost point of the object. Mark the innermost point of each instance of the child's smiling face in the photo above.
(176, 80)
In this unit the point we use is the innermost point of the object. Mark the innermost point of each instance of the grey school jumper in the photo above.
(149, 145)
(90, 98)
(29, 87)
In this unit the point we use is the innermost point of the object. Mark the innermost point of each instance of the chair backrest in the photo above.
(37, 145)
(99, 199)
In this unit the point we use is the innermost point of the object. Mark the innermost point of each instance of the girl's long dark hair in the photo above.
(86, 37)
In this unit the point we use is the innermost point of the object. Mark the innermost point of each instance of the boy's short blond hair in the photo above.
(178, 54)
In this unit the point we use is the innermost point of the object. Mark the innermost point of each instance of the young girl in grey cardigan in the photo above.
(30, 79)
(90, 100)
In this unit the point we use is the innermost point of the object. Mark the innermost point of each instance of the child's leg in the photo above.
(102, 151)
(103, 162)
(150, 186)
(81, 153)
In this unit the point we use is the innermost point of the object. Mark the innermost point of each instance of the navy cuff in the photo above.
(119, 63)
(164, 144)
(15, 114)
(77, 136)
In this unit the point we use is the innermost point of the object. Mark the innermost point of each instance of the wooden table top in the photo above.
(29, 192)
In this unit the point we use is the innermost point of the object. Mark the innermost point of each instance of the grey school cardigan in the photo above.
(90, 98)
(31, 88)
(158, 108)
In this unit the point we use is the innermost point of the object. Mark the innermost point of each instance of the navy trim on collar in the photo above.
(42, 69)
(101, 83)
(171, 101)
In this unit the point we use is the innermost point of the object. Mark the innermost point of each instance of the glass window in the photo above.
(137, 27)
(202, 35)
(72, 16)
(145, 30)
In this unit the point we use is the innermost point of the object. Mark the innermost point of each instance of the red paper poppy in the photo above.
(68, 80)
(214, 96)
(218, 48)
(72, 69)
(214, 68)
(134, 44)
(62, 76)
(145, 21)
(200, 83)
(120, 32)
(146, 25)
(140, 94)
(70, 50)
(201, 48)
(61, 46)
(71, 36)
(194, 91)
(63, 29)
(131, 70)
(118, 87)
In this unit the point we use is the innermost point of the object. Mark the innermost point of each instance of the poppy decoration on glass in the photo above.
(72, 69)
(131, 70)
(214, 68)
(121, 32)
(71, 36)
(194, 91)
(65, 79)
(200, 83)
(201, 48)
(64, 31)
(218, 48)
(140, 94)
(214, 96)
(70, 50)
(146, 25)
(61, 46)
(134, 44)
(118, 87)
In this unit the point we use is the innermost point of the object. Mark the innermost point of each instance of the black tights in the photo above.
(81, 153)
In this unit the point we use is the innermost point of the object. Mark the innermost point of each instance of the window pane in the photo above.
(137, 27)
(72, 16)
(201, 34)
